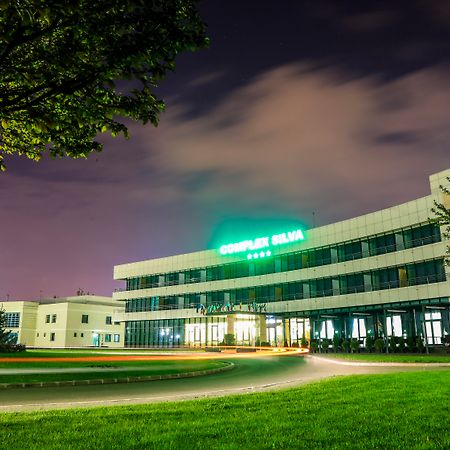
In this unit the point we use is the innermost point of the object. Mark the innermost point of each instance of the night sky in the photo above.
(300, 112)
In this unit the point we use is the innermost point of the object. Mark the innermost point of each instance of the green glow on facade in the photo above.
(250, 246)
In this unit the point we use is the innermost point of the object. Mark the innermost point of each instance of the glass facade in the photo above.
(424, 272)
(347, 251)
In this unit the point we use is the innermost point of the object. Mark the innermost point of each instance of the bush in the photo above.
(304, 342)
(420, 345)
(345, 346)
(379, 345)
(336, 342)
(354, 345)
(229, 339)
(370, 343)
(393, 341)
(12, 348)
(411, 343)
(314, 346)
(325, 344)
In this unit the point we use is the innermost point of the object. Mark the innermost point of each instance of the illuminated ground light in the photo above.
(259, 255)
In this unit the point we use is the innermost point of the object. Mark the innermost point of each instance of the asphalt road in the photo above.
(250, 375)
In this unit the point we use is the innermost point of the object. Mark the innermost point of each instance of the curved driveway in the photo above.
(250, 375)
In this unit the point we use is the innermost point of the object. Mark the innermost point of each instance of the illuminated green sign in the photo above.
(261, 247)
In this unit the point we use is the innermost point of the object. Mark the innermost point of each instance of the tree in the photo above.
(442, 216)
(70, 70)
(5, 336)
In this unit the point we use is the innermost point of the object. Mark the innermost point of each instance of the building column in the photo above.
(262, 328)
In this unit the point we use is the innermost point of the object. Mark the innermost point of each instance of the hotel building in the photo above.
(380, 275)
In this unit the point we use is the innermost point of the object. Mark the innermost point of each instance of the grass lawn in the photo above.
(65, 364)
(100, 371)
(389, 357)
(404, 410)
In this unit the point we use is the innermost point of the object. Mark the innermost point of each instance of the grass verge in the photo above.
(388, 357)
(404, 410)
(102, 372)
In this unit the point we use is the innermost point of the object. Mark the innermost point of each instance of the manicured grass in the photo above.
(389, 357)
(149, 368)
(66, 364)
(404, 410)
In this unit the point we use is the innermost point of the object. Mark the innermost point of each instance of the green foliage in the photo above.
(314, 346)
(325, 344)
(229, 339)
(420, 345)
(345, 345)
(6, 336)
(354, 345)
(304, 342)
(370, 343)
(336, 342)
(393, 343)
(442, 216)
(379, 345)
(391, 411)
(411, 343)
(71, 70)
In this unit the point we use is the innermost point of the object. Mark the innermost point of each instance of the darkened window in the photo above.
(84, 318)
(82, 335)
(47, 318)
(54, 318)
(108, 320)
(107, 338)
(52, 336)
(74, 334)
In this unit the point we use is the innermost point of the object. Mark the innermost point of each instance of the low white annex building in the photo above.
(64, 322)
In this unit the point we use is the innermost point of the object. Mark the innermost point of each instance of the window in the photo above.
(107, 338)
(47, 318)
(74, 334)
(37, 334)
(12, 319)
(84, 318)
(54, 318)
(117, 338)
(52, 336)
(108, 320)
(82, 334)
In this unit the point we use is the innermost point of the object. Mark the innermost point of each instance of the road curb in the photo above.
(170, 376)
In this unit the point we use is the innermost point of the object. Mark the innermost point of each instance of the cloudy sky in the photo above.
(303, 112)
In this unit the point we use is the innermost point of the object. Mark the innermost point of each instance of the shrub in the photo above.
(325, 344)
(411, 343)
(12, 348)
(314, 346)
(370, 343)
(393, 341)
(354, 345)
(379, 345)
(345, 346)
(229, 339)
(336, 342)
(420, 345)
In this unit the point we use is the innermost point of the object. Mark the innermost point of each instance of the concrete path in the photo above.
(250, 375)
